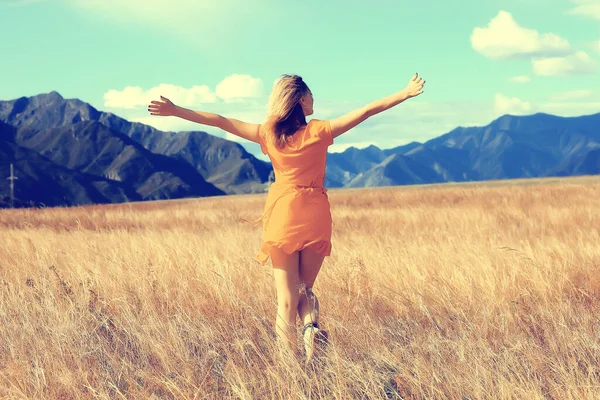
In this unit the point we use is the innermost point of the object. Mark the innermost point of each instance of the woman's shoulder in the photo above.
(317, 123)
(322, 129)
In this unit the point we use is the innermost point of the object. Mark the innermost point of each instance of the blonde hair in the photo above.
(284, 114)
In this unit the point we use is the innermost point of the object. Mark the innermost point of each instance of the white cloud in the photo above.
(519, 79)
(234, 88)
(510, 105)
(572, 95)
(135, 96)
(238, 86)
(503, 38)
(586, 8)
(578, 63)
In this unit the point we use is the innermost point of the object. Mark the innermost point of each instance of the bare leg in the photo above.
(287, 282)
(308, 305)
(315, 338)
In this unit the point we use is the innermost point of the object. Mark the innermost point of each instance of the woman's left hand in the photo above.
(164, 108)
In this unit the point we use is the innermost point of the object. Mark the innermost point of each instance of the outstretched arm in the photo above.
(346, 122)
(231, 125)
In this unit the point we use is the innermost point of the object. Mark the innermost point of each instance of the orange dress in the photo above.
(297, 213)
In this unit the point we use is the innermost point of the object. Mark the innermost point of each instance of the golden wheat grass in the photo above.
(480, 291)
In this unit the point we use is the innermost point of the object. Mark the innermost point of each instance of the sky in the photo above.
(480, 59)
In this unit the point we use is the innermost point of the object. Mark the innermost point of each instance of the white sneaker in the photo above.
(315, 341)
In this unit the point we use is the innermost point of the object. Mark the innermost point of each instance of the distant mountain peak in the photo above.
(543, 114)
(510, 117)
(51, 96)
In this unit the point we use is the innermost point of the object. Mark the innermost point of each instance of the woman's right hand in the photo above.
(415, 86)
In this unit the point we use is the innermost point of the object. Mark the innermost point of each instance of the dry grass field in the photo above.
(459, 291)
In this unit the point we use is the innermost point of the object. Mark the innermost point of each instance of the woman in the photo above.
(297, 219)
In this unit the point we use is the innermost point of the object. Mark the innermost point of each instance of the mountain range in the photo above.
(510, 147)
(65, 152)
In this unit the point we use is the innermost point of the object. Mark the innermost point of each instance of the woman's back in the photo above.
(302, 160)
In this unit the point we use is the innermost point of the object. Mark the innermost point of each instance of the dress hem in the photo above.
(321, 246)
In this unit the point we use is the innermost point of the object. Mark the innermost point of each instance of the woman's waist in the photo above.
(281, 189)
(312, 185)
